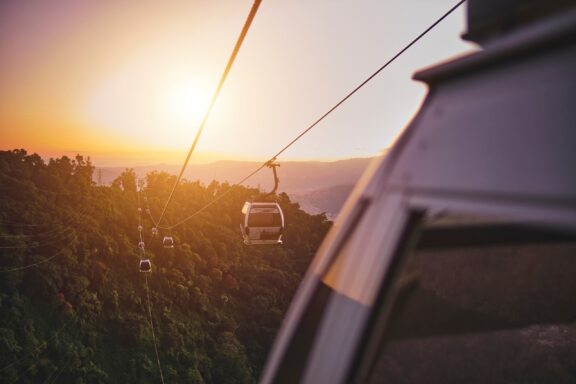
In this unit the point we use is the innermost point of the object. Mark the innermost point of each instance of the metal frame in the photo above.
(496, 136)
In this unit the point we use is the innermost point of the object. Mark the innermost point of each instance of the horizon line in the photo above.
(111, 159)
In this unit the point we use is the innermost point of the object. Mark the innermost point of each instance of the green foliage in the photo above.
(73, 304)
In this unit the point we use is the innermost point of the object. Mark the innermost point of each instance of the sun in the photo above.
(144, 107)
(185, 104)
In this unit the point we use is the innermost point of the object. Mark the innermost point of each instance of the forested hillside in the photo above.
(73, 304)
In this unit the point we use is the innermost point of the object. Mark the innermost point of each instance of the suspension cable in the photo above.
(362, 84)
(55, 237)
(149, 211)
(213, 100)
(153, 333)
(42, 345)
(58, 372)
(149, 303)
(315, 123)
(45, 260)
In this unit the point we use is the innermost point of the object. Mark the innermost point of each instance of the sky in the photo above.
(127, 82)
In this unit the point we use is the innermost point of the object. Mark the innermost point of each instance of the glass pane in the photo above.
(495, 312)
(264, 220)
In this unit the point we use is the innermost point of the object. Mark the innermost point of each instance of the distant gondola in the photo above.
(168, 242)
(145, 265)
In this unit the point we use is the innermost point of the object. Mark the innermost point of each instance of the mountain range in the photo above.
(317, 185)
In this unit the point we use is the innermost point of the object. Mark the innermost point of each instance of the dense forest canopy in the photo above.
(73, 302)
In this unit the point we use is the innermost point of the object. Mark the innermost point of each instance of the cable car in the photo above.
(262, 223)
(482, 179)
(154, 231)
(168, 242)
(141, 245)
(139, 228)
(145, 265)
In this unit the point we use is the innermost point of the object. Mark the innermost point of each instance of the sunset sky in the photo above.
(127, 82)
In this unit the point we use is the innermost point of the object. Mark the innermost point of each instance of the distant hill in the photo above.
(328, 200)
(295, 176)
(318, 186)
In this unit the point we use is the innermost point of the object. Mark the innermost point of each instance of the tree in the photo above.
(126, 181)
(216, 303)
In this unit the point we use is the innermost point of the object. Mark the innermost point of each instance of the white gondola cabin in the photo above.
(262, 223)
(145, 265)
(168, 242)
(141, 245)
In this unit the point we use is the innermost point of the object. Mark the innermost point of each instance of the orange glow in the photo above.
(142, 106)
(135, 77)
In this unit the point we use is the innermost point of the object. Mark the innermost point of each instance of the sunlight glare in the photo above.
(152, 108)
(186, 104)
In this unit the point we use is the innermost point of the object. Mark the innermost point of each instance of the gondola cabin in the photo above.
(168, 242)
(145, 265)
(453, 259)
(262, 223)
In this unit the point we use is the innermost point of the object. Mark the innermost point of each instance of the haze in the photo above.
(127, 82)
